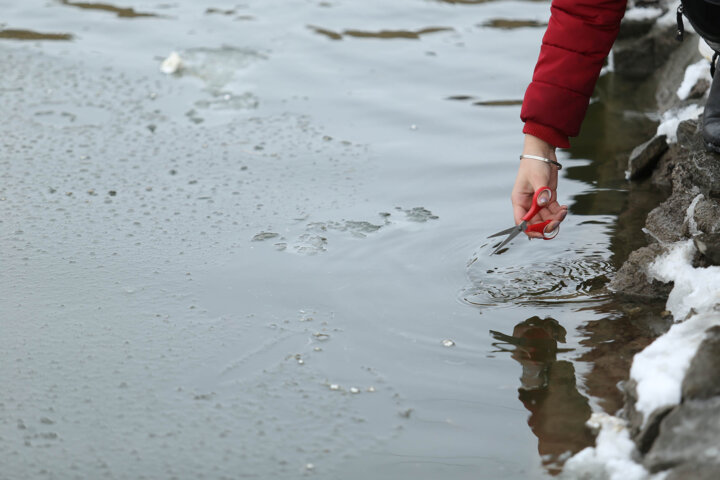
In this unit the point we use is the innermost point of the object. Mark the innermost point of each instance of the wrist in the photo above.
(537, 146)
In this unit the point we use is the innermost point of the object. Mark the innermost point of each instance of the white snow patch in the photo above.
(705, 50)
(693, 73)
(639, 13)
(695, 288)
(612, 456)
(660, 368)
(690, 215)
(672, 118)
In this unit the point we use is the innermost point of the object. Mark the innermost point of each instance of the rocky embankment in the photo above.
(680, 437)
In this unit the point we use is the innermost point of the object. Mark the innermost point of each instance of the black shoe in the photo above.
(711, 117)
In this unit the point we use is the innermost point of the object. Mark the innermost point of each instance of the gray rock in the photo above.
(662, 173)
(644, 157)
(666, 222)
(688, 436)
(696, 167)
(646, 436)
(689, 140)
(642, 432)
(629, 413)
(702, 471)
(699, 89)
(708, 244)
(634, 57)
(702, 380)
(672, 73)
(689, 135)
(631, 28)
(639, 57)
(707, 215)
(632, 279)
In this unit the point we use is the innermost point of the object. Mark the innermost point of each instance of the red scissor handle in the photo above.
(540, 228)
(539, 193)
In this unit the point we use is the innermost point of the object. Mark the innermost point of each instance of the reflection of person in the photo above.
(558, 412)
(577, 41)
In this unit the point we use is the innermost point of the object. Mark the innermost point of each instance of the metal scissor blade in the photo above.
(512, 235)
(504, 232)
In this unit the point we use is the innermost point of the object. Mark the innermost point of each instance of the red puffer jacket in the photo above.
(578, 38)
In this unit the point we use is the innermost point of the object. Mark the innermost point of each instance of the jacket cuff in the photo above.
(549, 134)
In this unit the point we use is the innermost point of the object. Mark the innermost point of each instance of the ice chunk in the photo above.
(172, 64)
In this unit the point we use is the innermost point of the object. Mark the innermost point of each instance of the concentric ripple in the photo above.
(568, 276)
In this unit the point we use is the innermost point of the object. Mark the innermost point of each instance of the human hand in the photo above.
(533, 174)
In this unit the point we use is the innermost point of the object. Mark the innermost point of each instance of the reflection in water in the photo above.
(474, 2)
(498, 103)
(31, 35)
(465, 2)
(486, 103)
(558, 412)
(119, 11)
(508, 24)
(383, 34)
(612, 342)
(227, 13)
(219, 11)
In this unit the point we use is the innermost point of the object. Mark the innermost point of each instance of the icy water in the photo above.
(272, 264)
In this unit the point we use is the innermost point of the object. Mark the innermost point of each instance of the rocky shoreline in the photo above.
(678, 439)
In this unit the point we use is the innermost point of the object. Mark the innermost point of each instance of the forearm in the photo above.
(577, 41)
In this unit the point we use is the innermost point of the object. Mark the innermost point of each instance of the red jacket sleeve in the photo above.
(578, 38)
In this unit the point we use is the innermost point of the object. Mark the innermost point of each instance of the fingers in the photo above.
(557, 218)
(519, 212)
(555, 208)
(554, 212)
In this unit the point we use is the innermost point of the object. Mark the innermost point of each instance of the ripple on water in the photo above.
(563, 276)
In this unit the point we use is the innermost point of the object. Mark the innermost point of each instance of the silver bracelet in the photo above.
(542, 159)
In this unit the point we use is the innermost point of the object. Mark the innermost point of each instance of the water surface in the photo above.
(273, 262)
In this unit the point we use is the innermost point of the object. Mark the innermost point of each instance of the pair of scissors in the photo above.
(542, 193)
